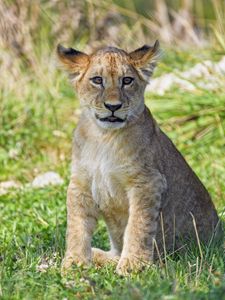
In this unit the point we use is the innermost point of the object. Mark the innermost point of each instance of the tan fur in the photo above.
(128, 172)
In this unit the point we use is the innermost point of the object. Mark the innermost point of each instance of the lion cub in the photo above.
(125, 169)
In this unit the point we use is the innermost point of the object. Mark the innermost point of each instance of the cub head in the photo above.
(110, 82)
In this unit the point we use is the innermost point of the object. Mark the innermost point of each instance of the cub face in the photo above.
(110, 82)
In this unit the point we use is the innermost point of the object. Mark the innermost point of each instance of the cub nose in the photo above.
(113, 107)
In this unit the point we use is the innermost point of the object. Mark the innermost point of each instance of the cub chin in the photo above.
(125, 169)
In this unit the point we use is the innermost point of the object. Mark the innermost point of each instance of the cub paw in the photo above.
(130, 264)
(69, 261)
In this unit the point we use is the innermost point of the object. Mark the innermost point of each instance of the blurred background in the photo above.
(39, 109)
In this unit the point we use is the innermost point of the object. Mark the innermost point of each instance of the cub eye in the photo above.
(127, 80)
(97, 80)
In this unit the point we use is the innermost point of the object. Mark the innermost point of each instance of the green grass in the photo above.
(36, 128)
(32, 234)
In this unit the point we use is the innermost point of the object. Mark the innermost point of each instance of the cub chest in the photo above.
(107, 173)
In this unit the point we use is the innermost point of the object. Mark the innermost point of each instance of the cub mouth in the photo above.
(111, 119)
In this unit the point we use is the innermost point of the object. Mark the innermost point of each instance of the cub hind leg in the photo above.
(101, 257)
(116, 227)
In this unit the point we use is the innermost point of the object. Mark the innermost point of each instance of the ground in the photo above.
(36, 127)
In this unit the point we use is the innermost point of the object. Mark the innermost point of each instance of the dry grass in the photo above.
(30, 30)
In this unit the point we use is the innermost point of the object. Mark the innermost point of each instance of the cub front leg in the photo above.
(145, 202)
(81, 221)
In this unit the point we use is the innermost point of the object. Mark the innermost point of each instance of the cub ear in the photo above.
(145, 59)
(72, 60)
